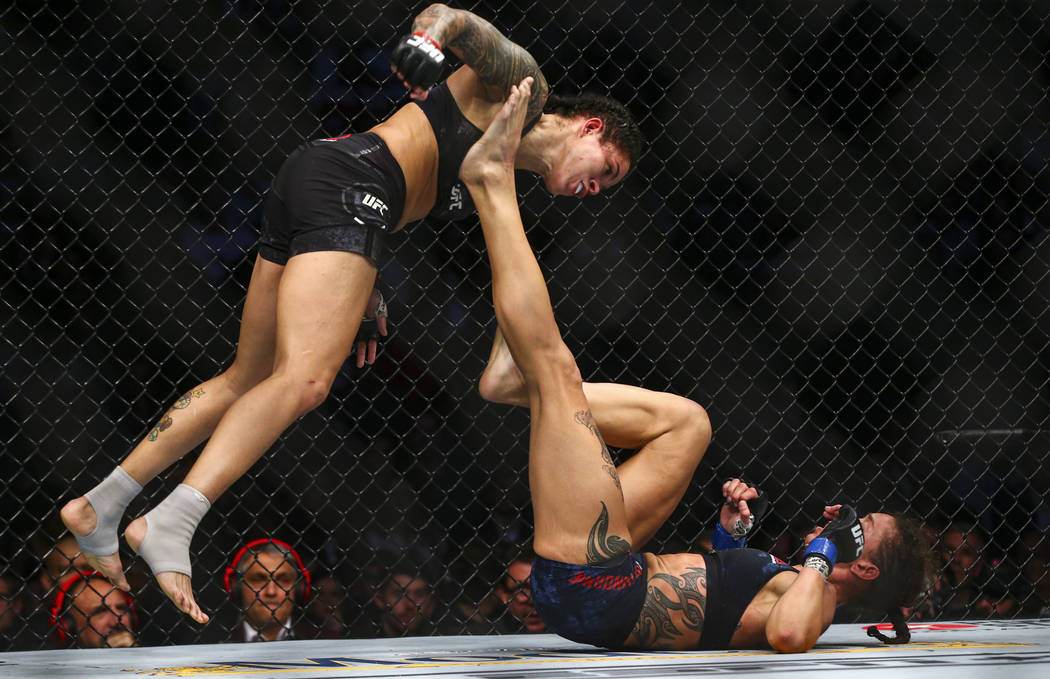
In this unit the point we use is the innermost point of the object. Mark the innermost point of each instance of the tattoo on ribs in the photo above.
(657, 625)
(585, 418)
(166, 420)
(600, 545)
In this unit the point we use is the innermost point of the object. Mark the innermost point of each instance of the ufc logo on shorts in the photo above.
(427, 47)
(374, 203)
(455, 198)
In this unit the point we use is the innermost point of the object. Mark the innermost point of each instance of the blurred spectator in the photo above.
(268, 581)
(515, 593)
(13, 629)
(402, 603)
(406, 605)
(57, 562)
(61, 560)
(324, 615)
(1033, 558)
(88, 612)
(970, 584)
(925, 608)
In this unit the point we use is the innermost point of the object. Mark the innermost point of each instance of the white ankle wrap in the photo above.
(169, 529)
(109, 499)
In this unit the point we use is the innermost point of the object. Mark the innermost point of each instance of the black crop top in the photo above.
(455, 135)
(734, 577)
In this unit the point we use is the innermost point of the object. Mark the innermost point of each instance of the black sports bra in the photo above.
(734, 577)
(455, 135)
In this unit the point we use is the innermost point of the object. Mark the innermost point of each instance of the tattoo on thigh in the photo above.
(585, 418)
(181, 404)
(657, 625)
(600, 545)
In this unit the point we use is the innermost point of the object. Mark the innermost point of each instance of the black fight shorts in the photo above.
(342, 194)
(596, 605)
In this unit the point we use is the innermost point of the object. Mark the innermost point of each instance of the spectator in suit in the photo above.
(270, 584)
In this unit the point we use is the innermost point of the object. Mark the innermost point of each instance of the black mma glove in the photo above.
(419, 60)
(372, 326)
(841, 540)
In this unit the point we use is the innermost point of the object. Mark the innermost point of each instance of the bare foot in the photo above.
(497, 148)
(79, 517)
(502, 381)
(177, 586)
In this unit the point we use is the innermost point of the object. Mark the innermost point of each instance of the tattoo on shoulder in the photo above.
(658, 625)
(585, 418)
(600, 545)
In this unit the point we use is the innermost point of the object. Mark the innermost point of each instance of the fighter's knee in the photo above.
(310, 389)
(312, 393)
(698, 421)
(691, 421)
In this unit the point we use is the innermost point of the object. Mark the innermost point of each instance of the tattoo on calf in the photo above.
(585, 418)
(600, 545)
(181, 404)
(657, 626)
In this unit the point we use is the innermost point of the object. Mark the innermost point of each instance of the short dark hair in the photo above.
(620, 128)
(905, 567)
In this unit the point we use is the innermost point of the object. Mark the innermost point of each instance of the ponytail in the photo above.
(900, 628)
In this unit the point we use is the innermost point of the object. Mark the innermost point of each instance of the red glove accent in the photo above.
(428, 39)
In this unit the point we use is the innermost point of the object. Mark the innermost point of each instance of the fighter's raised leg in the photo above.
(320, 301)
(190, 421)
(577, 500)
(669, 433)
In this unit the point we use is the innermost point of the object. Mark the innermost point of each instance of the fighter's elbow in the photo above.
(790, 640)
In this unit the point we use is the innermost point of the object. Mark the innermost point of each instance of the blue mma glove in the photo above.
(722, 539)
(841, 540)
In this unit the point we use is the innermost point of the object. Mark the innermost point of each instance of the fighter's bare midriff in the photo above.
(412, 143)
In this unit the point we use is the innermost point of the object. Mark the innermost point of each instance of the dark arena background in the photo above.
(836, 243)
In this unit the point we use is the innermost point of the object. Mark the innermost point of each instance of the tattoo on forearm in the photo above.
(656, 623)
(181, 404)
(600, 545)
(498, 61)
(585, 418)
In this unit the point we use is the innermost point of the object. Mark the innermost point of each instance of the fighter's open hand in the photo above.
(372, 326)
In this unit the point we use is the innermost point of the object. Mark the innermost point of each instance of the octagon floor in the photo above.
(1018, 649)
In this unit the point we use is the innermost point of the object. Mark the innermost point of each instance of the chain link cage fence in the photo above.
(836, 244)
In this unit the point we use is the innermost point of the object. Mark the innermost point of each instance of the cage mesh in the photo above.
(836, 244)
